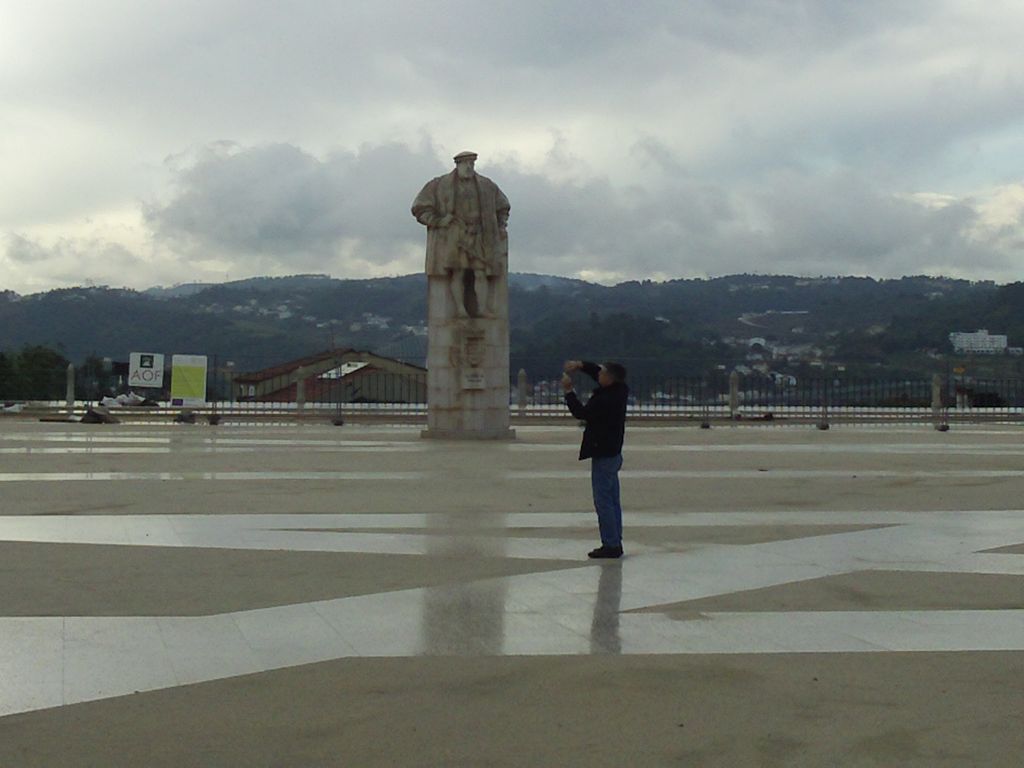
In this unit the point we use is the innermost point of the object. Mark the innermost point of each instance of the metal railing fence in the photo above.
(371, 393)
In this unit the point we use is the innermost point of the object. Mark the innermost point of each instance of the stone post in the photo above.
(825, 393)
(938, 412)
(229, 375)
(936, 395)
(69, 390)
(522, 383)
(734, 395)
(705, 405)
(300, 390)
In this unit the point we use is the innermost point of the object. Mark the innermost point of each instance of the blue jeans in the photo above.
(604, 479)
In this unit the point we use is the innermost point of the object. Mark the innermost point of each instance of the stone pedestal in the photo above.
(467, 366)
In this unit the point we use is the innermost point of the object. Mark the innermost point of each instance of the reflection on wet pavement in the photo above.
(617, 607)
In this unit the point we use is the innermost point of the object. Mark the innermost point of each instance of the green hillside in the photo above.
(869, 327)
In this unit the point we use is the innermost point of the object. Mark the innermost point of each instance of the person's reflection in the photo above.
(604, 629)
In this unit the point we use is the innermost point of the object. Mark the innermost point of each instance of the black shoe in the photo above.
(605, 552)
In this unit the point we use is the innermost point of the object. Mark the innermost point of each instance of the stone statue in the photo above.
(467, 243)
(467, 304)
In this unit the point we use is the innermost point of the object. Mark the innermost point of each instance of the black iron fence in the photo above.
(356, 389)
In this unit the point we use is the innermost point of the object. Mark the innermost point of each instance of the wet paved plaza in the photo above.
(312, 595)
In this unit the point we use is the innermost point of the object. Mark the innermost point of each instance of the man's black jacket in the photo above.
(605, 414)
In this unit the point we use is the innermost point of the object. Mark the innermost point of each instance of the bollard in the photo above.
(521, 385)
(300, 390)
(823, 422)
(734, 395)
(69, 391)
(938, 412)
(705, 407)
(229, 377)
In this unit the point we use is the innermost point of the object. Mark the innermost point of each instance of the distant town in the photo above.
(786, 328)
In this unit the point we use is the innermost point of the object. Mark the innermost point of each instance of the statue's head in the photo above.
(464, 163)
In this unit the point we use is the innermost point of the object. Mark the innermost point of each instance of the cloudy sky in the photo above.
(154, 142)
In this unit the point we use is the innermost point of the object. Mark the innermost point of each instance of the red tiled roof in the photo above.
(292, 365)
(254, 377)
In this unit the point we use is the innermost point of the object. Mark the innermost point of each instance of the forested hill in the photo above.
(678, 326)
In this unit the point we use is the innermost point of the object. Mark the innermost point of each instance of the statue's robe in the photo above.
(437, 199)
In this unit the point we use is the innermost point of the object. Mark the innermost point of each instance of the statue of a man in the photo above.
(466, 216)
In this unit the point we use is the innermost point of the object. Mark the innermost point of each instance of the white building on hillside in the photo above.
(978, 343)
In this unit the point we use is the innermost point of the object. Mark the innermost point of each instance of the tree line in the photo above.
(39, 372)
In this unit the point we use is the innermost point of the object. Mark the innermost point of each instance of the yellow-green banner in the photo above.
(188, 379)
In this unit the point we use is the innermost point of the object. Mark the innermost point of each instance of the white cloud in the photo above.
(32, 266)
(661, 138)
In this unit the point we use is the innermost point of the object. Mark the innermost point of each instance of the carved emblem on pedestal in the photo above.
(472, 355)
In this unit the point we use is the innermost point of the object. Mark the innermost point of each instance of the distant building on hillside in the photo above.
(980, 342)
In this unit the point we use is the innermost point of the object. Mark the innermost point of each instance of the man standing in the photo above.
(466, 217)
(605, 417)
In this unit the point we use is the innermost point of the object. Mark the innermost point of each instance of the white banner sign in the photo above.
(145, 369)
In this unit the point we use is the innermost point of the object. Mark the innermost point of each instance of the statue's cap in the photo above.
(465, 156)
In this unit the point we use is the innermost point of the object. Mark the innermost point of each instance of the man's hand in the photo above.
(444, 221)
(566, 383)
(572, 365)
